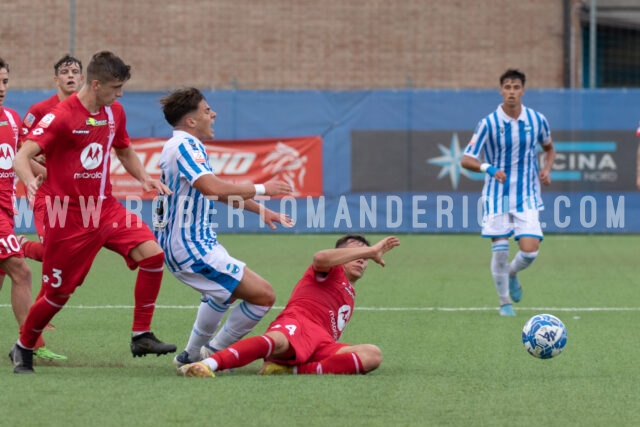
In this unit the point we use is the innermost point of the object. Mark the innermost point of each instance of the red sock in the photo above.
(40, 313)
(344, 363)
(244, 352)
(33, 250)
(146, 291)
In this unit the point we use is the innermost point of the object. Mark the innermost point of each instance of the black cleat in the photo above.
(147, 343)
(22, 359)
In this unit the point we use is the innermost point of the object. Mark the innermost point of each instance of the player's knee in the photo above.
(267, 296)
(370, 356)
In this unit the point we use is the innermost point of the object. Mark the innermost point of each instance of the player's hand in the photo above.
(382, 247)
(500, 176)
(545, 177)
(276, 187)
(150, 184)
(32, 187)
(271, 218)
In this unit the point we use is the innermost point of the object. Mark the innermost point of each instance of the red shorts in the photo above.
(9, 245)
(310, 341)
(72, 246)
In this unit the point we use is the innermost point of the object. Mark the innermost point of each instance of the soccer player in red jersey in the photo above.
(77, 137)
(303, 339)
(68, 79)
(12, 260)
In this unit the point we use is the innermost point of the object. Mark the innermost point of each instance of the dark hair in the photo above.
(512, 74)
(341, 242)
(4, 64)
(179, 103)
(66, 61)
(106, 66)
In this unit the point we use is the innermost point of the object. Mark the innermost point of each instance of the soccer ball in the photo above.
(544, 336)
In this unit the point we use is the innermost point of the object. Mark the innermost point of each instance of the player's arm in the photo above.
(22, 167)
(211, 186)
(325, 259)
(471, 163)
(548, 158)
(268, 216)
(132, 164)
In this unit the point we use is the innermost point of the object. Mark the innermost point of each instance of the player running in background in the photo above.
(303, 339)
(68, 79)
(11, 254)
(508, 139)
(76, 138)
(185, 229)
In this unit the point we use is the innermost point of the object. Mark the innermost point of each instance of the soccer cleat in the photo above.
(271, 368)
(507, 310)
(22, 359)
(46, 354)
(183, 359)
(207, 351)
(197, 369)
(147, 343)
(515, 290)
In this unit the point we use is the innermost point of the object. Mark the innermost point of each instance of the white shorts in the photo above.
(215, 275)
(522, 224)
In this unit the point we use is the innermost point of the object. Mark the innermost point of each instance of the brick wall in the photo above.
(291, 44)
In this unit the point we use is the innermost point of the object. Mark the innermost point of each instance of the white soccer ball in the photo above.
(544, 336)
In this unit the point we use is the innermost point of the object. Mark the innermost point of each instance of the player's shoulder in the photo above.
(10, 111)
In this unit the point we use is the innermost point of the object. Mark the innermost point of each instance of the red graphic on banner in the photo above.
(297, 161)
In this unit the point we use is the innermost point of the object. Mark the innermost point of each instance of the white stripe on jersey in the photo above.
(510, 145)
(188, 232)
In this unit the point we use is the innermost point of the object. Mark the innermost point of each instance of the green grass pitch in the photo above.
(449, 359)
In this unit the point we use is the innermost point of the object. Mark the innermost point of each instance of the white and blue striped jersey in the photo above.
(510, 145)
(183, 222)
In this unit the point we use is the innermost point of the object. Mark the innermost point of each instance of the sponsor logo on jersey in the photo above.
(344, 314)
(199, 157)
(6, 156)
(38, 131)
(93, 122)
(4, 123)
(46, 120)
(91, 156)
(29, 119)
(80, 131)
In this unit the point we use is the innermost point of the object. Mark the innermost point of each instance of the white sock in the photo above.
(521, 261)
(242, 319)
(500, 269)
(207, 320)
(211, 362)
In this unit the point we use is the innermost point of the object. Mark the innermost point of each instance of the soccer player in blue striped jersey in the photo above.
(183, 224)
(508, 138)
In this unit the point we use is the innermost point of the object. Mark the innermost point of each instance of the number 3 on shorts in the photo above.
(57, 275)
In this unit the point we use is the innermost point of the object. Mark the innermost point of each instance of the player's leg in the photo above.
(256, 295)
(134, 241)
(241, 353)
(528, 234)
(499, 229)
(35, 250)
(343, 359)
(20, 274)
(208, 318)
(257, 298)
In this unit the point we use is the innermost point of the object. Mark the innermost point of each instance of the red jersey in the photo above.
(326, 300)
(34, 115)
(77, 145)
(9, 136)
